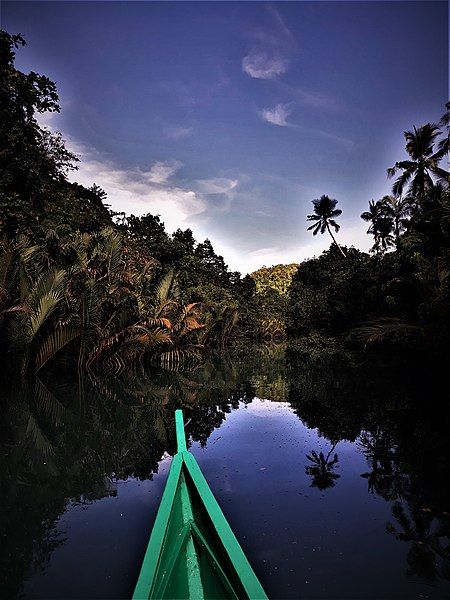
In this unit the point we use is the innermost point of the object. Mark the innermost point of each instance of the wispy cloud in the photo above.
(161, 172)
(269, 57)
(176, 133)
(217, 185)
(338, 139)
(261, 65)
(219, 193)
(310, 97)
(283, 29)
(277, 115)
(263, 252)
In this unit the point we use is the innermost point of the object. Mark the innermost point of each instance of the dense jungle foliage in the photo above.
(107, 291)
(272, 291)
(386, 299)
(102, 289)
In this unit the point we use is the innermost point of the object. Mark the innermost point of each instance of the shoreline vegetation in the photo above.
(98, 290)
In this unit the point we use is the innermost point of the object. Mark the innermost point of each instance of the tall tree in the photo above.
(35, 195)
(372, 214)
(31, 158)
(444, 123)
(418, 172)
(387, 218)
(397, 209)
(325, 213)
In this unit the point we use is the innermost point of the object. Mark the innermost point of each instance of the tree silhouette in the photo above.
(423, 163)
(325, 213)
(322, 469)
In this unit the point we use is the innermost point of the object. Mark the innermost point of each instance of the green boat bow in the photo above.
(192, 552)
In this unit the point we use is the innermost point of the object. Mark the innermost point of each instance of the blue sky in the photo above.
(230, 117)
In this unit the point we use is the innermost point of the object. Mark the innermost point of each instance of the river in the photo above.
(330, 470)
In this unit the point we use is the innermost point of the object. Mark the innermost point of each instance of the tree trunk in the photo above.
(397, 231)
(334, 240)
(330, 452)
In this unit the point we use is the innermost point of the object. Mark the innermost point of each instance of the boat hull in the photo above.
(192, 552)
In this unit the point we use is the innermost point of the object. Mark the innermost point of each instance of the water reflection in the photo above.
(384, 477)
(322, 469)
(67, 443)
(428, 536)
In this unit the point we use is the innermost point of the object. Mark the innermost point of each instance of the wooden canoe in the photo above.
(193, 553)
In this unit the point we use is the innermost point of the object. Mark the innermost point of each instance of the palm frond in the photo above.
(113, 244)
(163, 288)
(333, 223)
(384, 328)
(54, 342)
(38, 439)
(48, 404)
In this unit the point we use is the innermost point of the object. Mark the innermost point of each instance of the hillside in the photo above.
(272, 287)
(278, 277)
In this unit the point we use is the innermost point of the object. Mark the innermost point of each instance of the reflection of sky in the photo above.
(230, 117)
(302, 542)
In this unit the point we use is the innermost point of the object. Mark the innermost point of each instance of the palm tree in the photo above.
(325, 212)
(33, 312)
(444, 123)
(423, 163)
(383, 234)
(398, 210)
(372, 214)
(379, 228)
(388, 218)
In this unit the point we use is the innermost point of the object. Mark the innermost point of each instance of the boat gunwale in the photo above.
(183, 458)
(150, 563)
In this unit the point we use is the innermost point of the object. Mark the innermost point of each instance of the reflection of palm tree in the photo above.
(322, 469)
(385, 477)
(427, 556)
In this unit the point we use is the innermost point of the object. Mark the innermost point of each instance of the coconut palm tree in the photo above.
(372, 214)
(398, 210)
(380, 228)
(444, 123)
(382, 231)
(388, 218)
(418, 172)
(325, 213)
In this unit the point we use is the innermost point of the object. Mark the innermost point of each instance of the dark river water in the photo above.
(332, 472)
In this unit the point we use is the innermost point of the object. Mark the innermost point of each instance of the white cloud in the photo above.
(277, 115)
(200, 205)
(160, 172)
(217, 185)
(260, 65)
(139, 192)
(263, 252)
(294, 249)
